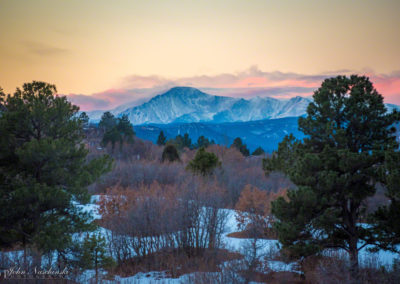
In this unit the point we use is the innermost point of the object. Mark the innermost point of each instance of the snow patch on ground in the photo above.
(91, 207)
(266, 248)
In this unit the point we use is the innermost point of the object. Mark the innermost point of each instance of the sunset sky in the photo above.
(104, 53)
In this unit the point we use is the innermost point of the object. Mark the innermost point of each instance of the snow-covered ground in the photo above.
(266, 248)
(92, 207)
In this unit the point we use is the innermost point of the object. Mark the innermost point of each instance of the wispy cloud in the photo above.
(43, 49)
(388, 85)
(249, 83)
(110, 99)
(251, 78)
(88, 102)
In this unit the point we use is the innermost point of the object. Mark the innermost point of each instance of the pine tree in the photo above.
(117, 131)
(336, 168)
(161, 140)
(203, 163)
(107, 122)
(259, 151)
(187, 142)
(203, 142)
(181, 142)
(43, 168)
(386, 219)
(238, 144)
(125, 129)
(85, 120)
(177, 142)
(91, 254)
(170, 154)
(111, 136)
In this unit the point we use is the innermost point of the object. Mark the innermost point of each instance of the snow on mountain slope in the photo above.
(185, 104)
(180, 104)
(392, 107)
(294, 107)
(188, 105)
(95, 115)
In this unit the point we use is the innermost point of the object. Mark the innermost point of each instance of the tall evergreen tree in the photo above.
(238, 144)
(203, 142)
(177, 142)
(43, 169)
(170, 154)
(112, 136)
(85, 120)
(161, 140)
(120, 132)
(107, 121)
(336, 168)
(259, 151)
(125, 129)
(386, 219)
(187, 142)
(91, 254)
(181, 142)
(203, 163)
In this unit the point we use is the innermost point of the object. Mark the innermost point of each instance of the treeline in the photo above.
(185, 141)
(119, 130)
(144, 162)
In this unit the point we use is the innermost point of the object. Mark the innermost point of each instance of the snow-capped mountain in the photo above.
(392, 107)
(185, 104)
(188, 105)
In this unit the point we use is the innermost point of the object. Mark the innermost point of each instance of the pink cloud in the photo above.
(250, 83)
(251, 78)
(113, 98)
(104, 100)
(388, 86)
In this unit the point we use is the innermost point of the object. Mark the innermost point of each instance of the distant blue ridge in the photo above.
(266, 133)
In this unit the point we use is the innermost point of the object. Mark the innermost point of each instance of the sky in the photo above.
(103, 53)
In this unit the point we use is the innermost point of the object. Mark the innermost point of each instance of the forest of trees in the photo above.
(165, 206)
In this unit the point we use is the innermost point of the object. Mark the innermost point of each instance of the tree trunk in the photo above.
(354, 269)
(96, 268)
(25, 260)
(37, 258)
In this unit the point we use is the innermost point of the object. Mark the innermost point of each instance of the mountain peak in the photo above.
(183, 90)
(188, 104)
(299, 98)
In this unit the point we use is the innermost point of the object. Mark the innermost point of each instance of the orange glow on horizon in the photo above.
(87, 47)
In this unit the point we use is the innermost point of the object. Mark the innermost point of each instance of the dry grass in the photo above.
(176, 262)
(268, 234)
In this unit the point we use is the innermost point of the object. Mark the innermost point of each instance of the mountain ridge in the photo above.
(265, 133)
(187, 104)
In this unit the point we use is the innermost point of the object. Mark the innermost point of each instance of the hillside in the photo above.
(265, 133)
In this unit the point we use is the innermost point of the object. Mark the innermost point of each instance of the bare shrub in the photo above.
(148, 219)
(334, 268)
(140, 162)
